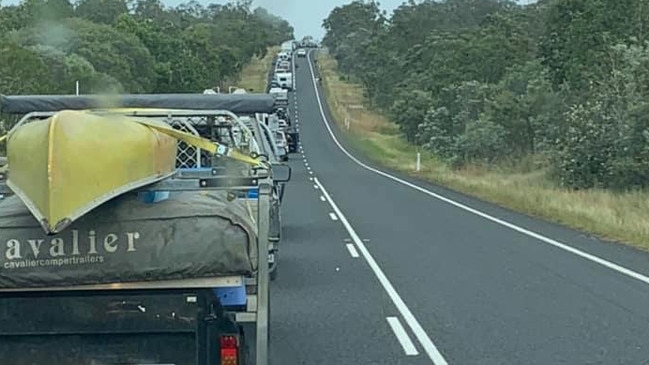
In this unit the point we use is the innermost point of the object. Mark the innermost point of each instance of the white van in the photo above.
(284, 80)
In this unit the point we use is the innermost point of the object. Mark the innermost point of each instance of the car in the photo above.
(301, 53)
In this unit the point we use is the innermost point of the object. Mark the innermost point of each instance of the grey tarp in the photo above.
(190, 235)
(236, 103)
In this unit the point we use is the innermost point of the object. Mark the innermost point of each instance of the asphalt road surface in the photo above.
(378, 268)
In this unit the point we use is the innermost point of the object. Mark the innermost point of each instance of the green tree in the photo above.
(139, 46)
(101, 11)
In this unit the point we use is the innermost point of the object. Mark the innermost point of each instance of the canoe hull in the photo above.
(72, 162)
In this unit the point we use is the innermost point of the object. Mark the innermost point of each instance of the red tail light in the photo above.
(229, 350)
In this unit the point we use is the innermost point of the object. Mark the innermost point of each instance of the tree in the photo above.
(101, 11)
(149, 48)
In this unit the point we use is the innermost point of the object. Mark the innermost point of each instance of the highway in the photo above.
(379, 268)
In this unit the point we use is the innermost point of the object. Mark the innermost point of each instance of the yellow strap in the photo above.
(203, 143)
(196, 141)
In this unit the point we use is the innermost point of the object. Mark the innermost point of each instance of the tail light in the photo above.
(229, 350)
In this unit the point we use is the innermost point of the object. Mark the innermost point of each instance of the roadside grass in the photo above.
(622, 217)
(255, 74)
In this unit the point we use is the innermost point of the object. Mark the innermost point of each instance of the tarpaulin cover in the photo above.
(235, 103)
(190, 235)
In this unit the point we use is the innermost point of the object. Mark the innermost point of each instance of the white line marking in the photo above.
(333, 216)
(613, 266)
(306, 164)
(310, 172)
(419, 332)
(402, 336)
(310, 179)
(352, 250)
(316, 181)
(322, 197)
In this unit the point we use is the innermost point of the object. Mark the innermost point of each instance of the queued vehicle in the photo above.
(161, 273)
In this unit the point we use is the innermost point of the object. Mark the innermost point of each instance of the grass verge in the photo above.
(622, 217)
(255, 74)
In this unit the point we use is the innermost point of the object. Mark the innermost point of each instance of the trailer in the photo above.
(216, 117)
(182, 279)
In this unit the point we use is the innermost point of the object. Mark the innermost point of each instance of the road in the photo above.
(384, 269)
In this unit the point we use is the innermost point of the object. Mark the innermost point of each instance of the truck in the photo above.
(182, 280)
(288, 46)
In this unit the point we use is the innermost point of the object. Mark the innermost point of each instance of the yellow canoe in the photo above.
(64, 166)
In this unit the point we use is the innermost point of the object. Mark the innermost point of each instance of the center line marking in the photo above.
(352, 250)
(408, 347)
(421, 335)
(333, 216)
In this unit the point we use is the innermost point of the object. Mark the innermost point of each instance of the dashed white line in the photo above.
(352, 250)
(310, 172)
(563, 246)
(322, 197)
(417, 329)
(408, 347)
(316, 186)
(333, 216)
